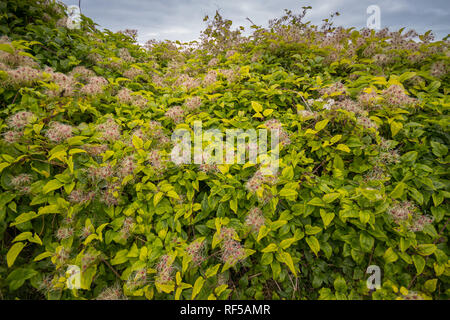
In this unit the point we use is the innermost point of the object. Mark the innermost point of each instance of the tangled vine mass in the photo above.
(87, 179)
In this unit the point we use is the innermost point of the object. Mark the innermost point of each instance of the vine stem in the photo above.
(109, 266)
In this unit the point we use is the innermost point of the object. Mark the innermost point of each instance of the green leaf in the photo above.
(343, 147)
(256, 106)
(321, 125)
(198, 285)
(398, 190)
(270, 248)
(211, 271)
(419, 263)
(14, 252)
(234, 205)
(390, 256)
(430, 285)
(137, 142)
(288, 193)
(330, 197)
(396, 127)
(289, 262)
(52, 185)
(426, 249)
(366, 242)
(327, 217)
(314, 244)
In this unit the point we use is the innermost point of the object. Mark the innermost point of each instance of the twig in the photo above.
(109, 266)
(251, 22)
(306, 103)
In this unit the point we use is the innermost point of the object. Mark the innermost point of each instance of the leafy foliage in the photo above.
(86, 178)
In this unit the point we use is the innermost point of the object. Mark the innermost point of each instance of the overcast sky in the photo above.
(183, 19)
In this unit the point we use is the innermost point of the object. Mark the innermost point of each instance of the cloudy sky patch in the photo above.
(183, 19)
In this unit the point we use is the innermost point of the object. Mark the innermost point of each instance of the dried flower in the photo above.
(12, 136)
(165, 269)
(176, 114)
(19, 120)
(64, 233)
(255, 219)
(111, 293)
(110, 130)
(59, 132)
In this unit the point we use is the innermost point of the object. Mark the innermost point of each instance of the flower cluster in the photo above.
(255, 219)
(387, 155)
(82, 73)
(94, 86)
(230, 74)
(337, 89)
(439, 69)
(283, 136)
(64, 83)
(401, 211)
(87, 260)
(366, 123)
(23, 76)
(59, 132)
(110, 130)
(165, 269)
(376, 174)
(125, 55)
(124, 96)
(111, 293)
(127, 227)
(382, 59)
(193, 103)
(80, 196)
(258, 179)
(15, 58)
(100, 173)
(412, 296)
(232, 250)
(195, 251)
(86, 232)
(137, 279)
(213, 62)
(350, 106)
(208, 164)
(210, 78)
(95, 150)
(419, 222)
(22, 182)
(132, 73)
(307, 114)
(62, 256)
(126, 167)
(396, 96)
(186, 81)
(369, 100)
(64, 233)
(107, 196)
(175, 113)
(20, 120)
(12, 136)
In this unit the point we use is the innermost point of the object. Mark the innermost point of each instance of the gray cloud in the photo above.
(183, 19)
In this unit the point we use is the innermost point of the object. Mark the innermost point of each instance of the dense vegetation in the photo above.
(86, 178)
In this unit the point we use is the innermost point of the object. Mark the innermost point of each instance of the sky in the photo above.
(183, 19)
